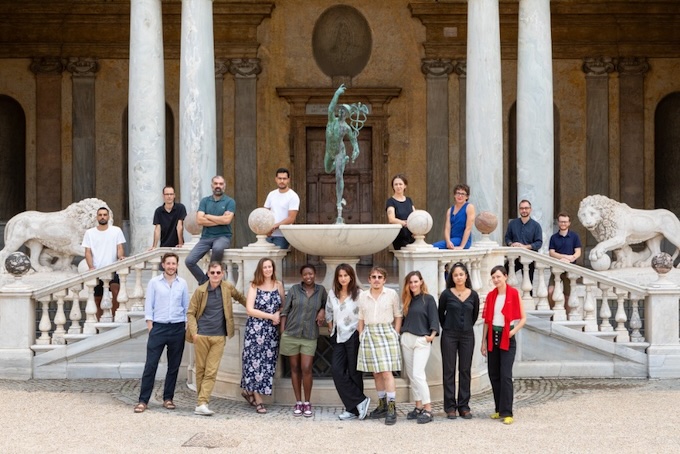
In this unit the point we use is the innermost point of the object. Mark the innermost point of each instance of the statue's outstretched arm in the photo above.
(334, 102)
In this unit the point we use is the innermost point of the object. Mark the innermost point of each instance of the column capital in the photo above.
(436, 67)
(47, 65)
(460, 68)
(221, 67)
(632, 66)
(598, 66)
(245, 67)
(82, 66)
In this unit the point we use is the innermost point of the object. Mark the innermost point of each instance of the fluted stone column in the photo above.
(83, 72)
(484, 114)
(47, 72)
(438, 196)
(460, 68)
(197, 106)
(535, 126)
(632, 72)
(597, 72)
(245, 73)
(146, 120)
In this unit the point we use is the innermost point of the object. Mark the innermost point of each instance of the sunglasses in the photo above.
(215, 273)
(377, 276)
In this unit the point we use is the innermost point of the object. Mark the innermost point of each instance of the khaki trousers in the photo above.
(208, 354)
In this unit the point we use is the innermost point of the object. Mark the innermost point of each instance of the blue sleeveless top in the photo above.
(458, 222)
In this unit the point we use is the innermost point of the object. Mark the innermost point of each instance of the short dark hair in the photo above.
(103, 208)
(168, 186)
(169, 255)
(283, 170)
(401, 176)
(564, 214)
(464, 187)
(307, 265)
(524, 200)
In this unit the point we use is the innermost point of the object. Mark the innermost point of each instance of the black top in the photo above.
(168, 223)
(401, 211)
(457, 315)
(421, 319)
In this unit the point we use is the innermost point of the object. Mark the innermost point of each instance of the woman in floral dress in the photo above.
(261, 339)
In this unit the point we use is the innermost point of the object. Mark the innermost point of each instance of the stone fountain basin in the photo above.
(340, 240)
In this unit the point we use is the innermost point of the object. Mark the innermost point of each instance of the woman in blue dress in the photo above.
(459, 220)
(261, 338)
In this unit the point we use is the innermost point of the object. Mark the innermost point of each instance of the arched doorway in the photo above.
(12, 161)
(667, 153)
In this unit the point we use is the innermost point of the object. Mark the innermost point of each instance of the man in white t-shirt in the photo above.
(103, 246)
(285, 204)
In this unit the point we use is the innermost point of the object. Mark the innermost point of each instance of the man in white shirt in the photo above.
(104, 246)
(285, 204)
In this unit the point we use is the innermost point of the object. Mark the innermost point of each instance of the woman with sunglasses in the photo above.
(261, 337)
(421, 326)
(458, 312)
(379, 322)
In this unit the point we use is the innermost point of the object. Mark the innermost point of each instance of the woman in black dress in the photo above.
(398, 209)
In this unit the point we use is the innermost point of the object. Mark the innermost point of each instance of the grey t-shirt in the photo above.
(212, 322)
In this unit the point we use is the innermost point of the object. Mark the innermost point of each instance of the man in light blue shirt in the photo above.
(167, 301)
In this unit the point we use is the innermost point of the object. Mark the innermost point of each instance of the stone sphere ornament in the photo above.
(662, 263)
(486, 222)
(18, 264)
(601, 264)
(261, 221)
(419, 222)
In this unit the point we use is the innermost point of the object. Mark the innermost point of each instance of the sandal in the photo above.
(424, 417)
(140, 407)
(260, 408)
(249, 397)
(169, 405)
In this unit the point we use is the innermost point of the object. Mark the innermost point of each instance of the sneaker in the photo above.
(307, 410)
(297, 410)
(508, 420)
(203, 410)
(346, 416)
(363, 407)
(424, 417)
(391, 417)
(413, 414)
(381, 410)
(495, 415)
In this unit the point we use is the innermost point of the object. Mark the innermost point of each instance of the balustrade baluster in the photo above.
(574, 303)
(475, 274)
(45, 325)
(589, 307)
(239, 282)
(155, 266)
(542, 288)
(512, 272)
(559, 312)
(59, 320)
(137, 296)
(605, 310)
(106, 304)
(621, 331)
(230, 272)
(527, 286)
(90, 309)
(122, 311)
(76, 314)
(442, 279)
(635, 321)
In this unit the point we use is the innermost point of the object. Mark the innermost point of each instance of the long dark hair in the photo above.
(406, 295)
(449, 278)
(258, 279)
(352, 288)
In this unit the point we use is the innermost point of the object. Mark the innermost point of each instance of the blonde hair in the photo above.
(406, 295)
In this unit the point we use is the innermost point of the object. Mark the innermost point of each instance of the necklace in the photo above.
(459, 294)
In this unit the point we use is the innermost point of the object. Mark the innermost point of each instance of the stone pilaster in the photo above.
(484, 114)
(146, 120)
(84, 146)
(535, 125)
(437, 157)
(245, 72)
(48, 73)
(597, 72)
(221, 68)
(460, 68)
(632, 72)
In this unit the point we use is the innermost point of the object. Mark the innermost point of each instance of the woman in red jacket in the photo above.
(503, 317)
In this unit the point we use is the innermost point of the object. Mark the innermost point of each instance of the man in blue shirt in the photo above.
(215, 214)
(526, 233)
(167, 301)
(565, 245)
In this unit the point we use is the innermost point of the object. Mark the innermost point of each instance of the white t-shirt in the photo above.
(281, 203)
(104, 245)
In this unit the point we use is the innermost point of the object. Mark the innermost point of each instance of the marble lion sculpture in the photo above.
(53, 239)
(617, 226)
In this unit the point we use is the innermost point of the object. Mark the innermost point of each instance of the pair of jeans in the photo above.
(279, 241)
(218, 245)
(160, 336)
(457, 346)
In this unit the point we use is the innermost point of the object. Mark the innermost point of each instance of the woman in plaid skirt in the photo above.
(380, 319)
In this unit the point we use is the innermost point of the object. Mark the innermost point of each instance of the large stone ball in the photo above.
(662, 263)
(601, 264)
(18, 264)
(419, 222)
(261, 221)
(486, 222)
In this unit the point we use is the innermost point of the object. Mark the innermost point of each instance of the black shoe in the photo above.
(381, 410)
(451, 415)
(465, 414)
(391, 417)
(413, 414)
(424, 417)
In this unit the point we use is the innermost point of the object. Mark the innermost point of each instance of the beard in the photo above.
(103, 221)
(218, 191)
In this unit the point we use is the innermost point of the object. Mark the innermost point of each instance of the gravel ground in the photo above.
(551, 416)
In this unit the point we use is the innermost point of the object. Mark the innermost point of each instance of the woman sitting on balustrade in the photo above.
(459, 220)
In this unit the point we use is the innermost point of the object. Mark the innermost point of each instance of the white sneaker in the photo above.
(203, 410)
(346, 416)
(363, 408)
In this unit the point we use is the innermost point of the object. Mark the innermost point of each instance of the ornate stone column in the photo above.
(438, 194)
(535, 125)
(197, 107)
(47, 72)
(84, 146)
(245, 73)
(460, 68)
(484, 115)
(597, 72)
(632, 72)
(146, 120)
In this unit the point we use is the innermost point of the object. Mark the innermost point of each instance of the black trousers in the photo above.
(500, 364)
(457, 346)
(348, 380)
(160, 336)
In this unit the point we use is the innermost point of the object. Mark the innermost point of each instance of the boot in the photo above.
(391, 417)
(381, 410)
